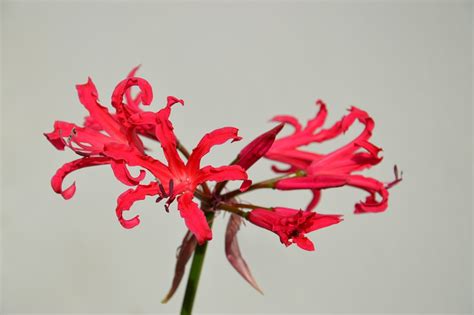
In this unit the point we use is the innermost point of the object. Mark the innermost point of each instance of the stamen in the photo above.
(158, 199)
(171, 187)
(162, 189)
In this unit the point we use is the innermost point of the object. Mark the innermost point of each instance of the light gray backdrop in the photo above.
(407, 63)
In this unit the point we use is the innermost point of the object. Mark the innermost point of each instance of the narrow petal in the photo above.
(129, 197)
(324, 181)
(165, 134)
(194, 218)
(315, 200)
(88, 97)
(123, 174)
(256, 149)
(184, 254)
(61, 173)
(133, 158)
(233, 254)
(133, 103)
(146, 92)
(317, 121)
(215, 137)
(287, 119)
(220, 174)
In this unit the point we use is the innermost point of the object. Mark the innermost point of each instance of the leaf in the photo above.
(185, 252)
(233, 253)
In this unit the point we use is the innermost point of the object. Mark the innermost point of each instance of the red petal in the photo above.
(132, 158)
(215, 137)
(167, 138)
(320, 221)
(220, 174)
(304, 243)
(287, 119)
(256, 149)
(131, 102)
(123, 174)
(128, 198)
(88, 97)
(146, 92)
(61, 173)
(194, 218)
(337, 180)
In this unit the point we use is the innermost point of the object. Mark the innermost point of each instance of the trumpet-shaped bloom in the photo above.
(292, 225)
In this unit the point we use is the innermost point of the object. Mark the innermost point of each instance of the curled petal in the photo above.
(56, 138)
(256, 149)
(146, 92)
(165, 134)
(61, 173)
(171, 100)
(134, 158)
(215, 137)
(317, 121)
(129, 197)
(372, 186)
(133, 103)
(123, 174)
(287, 119)
(194, 218)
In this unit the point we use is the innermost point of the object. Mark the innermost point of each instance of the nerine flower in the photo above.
(333, 169)
(181, 179)
(91, 142)
(291, 225)
(112, 139)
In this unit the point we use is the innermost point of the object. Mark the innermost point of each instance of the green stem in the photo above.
(269, 183)
(195, 273)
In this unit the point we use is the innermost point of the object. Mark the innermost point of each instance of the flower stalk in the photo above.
(195, 272)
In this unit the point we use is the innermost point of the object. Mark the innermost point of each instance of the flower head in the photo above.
(113, 139)
(333, 169)
(291, 225)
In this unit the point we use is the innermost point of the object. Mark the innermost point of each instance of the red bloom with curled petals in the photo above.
(291, 225)
(112, 139)
(90, 142)
(181, 179)
(333, 169)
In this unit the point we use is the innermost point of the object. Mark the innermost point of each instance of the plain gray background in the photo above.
(238, 64)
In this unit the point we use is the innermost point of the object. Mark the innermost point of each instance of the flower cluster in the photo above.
(115, 139)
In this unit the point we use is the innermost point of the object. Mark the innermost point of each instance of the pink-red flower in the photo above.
(112, 139)
(333, 169)
(291, 225)
(90, 142)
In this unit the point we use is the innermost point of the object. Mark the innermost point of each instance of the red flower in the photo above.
(333, 169)
(180, 179)
(112, 139)
(90, 142)
(291, 225)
